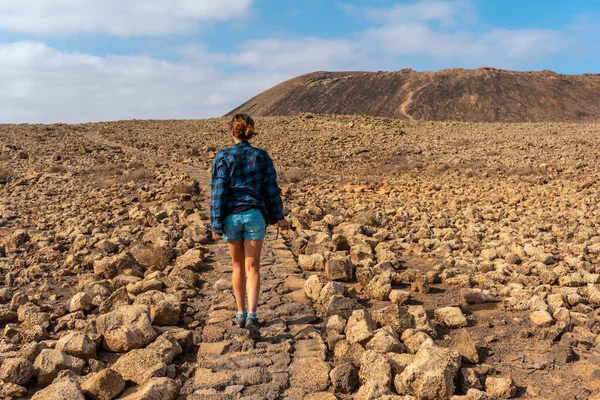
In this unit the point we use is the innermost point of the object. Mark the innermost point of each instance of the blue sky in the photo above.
(89, 60)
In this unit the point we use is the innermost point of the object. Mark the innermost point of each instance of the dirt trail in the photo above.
(404, 106)
(228, 362)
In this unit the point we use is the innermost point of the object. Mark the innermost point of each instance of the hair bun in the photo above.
(242, 126)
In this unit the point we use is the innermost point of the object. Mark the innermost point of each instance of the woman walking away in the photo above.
(245, 199)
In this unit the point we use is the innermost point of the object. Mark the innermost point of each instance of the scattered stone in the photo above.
(314, 262)
(126, 329)
(313, 286)
(50, 362)
(342, 306)
(360, 327)
(502, 388)
(385, 341)
(60, 390)
(16, 370)
(80, 302)
(380, 286)
(466, 345)
(339, 268)
(77, 344)
(431, 375)
(451, 317)
(140, 365)
(399, 296)
(394, 316)
(164, 308)
(375, 367)
(478, 296)
(155, 388)
(344, 378)
(541, 318)
(104, 385)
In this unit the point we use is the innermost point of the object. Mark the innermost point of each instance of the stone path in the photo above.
(289, 360)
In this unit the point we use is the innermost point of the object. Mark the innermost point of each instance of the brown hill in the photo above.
(481, 95)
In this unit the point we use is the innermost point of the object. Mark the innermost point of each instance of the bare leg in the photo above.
(252, 250)
(238, 278)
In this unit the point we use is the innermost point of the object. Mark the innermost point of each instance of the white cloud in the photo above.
(509, 47)
(445, 11)
(42, 84)
(295, 55)
(116, 17)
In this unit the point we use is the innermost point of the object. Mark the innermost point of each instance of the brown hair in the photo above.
(242, 126)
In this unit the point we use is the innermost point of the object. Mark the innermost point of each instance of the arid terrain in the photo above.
(474, 95)
(431, 260)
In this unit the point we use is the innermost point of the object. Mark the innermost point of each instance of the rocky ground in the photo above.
(431, 261)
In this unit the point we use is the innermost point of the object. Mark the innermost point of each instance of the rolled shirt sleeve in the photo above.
(272, 192)
(218, 197)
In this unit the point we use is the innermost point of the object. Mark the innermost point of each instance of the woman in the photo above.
(245, 199)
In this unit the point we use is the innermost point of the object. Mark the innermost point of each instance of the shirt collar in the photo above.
(242, 143)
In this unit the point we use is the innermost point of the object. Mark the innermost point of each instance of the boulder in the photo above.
(164, 308)
(466, 345)
(375, 367)
(395, 316)
(116, 300)
(374, 390)
(349, 230)
(124, 263)
(431, 375)
(16, 370)
(451, 317)
(501, 388)
(399, 296)
(344, 378)
(477, 296)
(126, 329)
(386, 340)
(380, 286)
(104, 385)
(314, 262)
(399, 361)
(361, 252)
(61, 390)
(329, 290)
(421, 320)
(12, 242)
(160, 236)
(80, 302)
(153, 389)
(77, 344)
(9, 390)
(469, 379)
(181, 279)
(342, 306)
(541, 318)
(192, 260)
(142, 364)
(313, 286)
(359, 328)
(50, 362)
(339, 268)
(144, 286)
(415, 340)
(152, 257)
(336, 323)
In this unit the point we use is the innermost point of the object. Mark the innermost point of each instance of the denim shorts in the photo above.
(248, 224)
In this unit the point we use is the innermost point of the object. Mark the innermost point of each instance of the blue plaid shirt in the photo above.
(244, 177)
